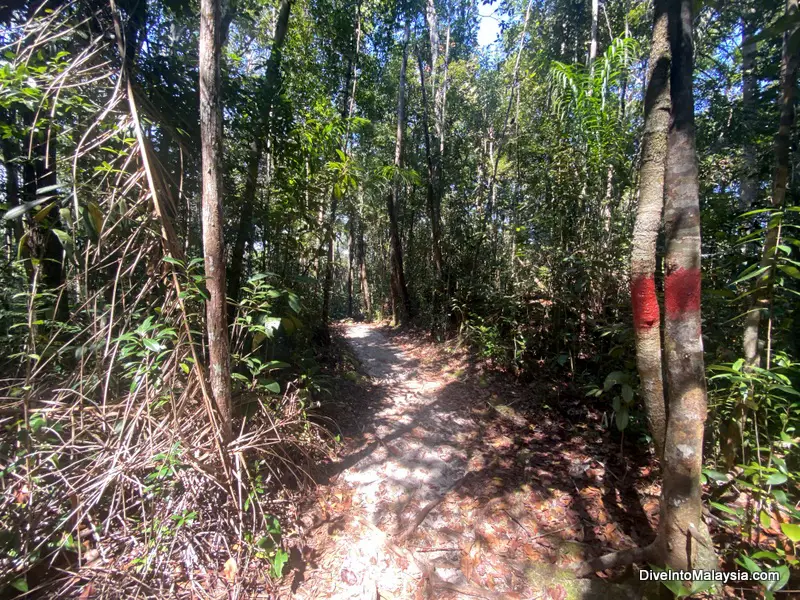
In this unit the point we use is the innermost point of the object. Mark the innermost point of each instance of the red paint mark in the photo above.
(645, 303)
(682, 292)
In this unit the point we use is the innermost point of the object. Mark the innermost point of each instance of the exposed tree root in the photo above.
(615, 559)
(425, 511)
(466, 589)
(427, 570)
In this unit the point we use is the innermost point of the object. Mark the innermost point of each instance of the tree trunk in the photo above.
(749, 186)
(433, 34)
(351, 250)
(348, 106)
(400, 298)
(762, 284)
(244, 236)
(685, 542)
(432, 184)
(52, 251)
(593, 34)
(362, 272)
(213, 243)
(646, 312)
(11, 151)
(440, 101)
(269, 89)
(39, 179)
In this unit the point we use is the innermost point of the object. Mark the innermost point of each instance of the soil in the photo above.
(455, 481)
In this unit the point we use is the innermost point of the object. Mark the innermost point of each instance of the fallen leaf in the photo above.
(556, 592)
(348, 577)
(230, 569)
(22, 494)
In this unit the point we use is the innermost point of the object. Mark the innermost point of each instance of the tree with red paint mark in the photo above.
(646, 314)
(669, 179)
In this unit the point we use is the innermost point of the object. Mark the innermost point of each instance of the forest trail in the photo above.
(445, 491)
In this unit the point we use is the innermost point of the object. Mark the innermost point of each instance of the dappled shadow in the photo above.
(384, 361)
(490, 494)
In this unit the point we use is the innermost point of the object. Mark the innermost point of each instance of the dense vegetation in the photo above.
(190, 202)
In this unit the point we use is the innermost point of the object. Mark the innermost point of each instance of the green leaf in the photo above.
(746, 562)
(774, 586)
(276, 364)
(715, 475)
(20, 585)
(294, 302)
(271, 324)
(266, 543)
(790, 271)
(612, 379)
(280, 560)
(792, 531)
(752, 274)
(622, 417)
(23, 208)
(725, 509)
(764, 519)
(172, 261)
(152, 345)
(627, 393)
(776, 479)
(272, 386)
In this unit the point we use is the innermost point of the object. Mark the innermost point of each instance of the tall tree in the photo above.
(780, 179)
(749, 186)
(685, 542)
(431, 186)
(401, 302)
(348, 106)
(593, 34)
(646, 312)
(267, 92)
(213, 242)
(11, 153)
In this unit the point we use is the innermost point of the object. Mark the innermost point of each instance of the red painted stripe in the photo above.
(682, 292)
(645, 303)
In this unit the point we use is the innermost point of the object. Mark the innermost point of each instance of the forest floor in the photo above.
(456, 481)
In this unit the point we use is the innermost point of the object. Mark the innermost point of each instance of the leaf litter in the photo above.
(454, 481)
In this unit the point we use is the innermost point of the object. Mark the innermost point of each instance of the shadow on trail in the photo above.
(511, 491)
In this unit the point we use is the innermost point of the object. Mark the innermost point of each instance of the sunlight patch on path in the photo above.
(415, 455)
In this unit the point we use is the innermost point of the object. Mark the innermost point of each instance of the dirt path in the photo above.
(445, 491)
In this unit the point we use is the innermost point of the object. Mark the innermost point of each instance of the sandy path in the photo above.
(428, 440)
(417, 459)
(413, 459)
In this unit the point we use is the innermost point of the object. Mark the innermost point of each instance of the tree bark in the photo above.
(11, 151)
(271, 84)
(348, 106)
(351, 250)
(780, 179)
(749, 186)
(684, 540)
(362, 272)
(432, 184)
(646, 311)
(39, 179)
(433, 34)
(593, 34)
(213, 243)
(401, 301)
